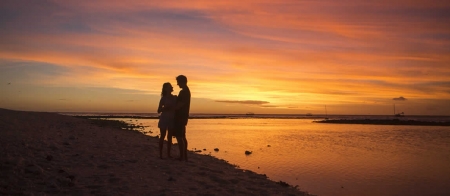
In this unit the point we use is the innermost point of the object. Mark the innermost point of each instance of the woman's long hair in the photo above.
(165, 85)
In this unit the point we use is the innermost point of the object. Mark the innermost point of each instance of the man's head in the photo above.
(181, 81)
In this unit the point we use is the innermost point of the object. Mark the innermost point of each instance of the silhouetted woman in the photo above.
(166, 119)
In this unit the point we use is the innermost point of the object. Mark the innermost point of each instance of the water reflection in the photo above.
(328, 159)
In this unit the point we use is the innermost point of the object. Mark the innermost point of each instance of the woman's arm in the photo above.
(160, 107)
(169, 104)
(181, 100)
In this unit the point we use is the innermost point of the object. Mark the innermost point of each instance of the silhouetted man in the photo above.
(182, 115)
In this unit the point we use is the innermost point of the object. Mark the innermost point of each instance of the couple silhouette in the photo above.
(174, 115)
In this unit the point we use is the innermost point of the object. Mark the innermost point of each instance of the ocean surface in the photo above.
(326, 159)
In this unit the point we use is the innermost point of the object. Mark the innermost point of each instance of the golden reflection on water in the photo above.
(330, 159)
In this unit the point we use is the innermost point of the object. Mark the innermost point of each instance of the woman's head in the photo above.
(167, 89)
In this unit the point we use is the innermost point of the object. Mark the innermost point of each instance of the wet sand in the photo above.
(51, 154)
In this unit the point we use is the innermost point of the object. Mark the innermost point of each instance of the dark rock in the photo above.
(71, 177)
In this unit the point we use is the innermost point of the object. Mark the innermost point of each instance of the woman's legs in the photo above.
(161, 140)
(169, 141)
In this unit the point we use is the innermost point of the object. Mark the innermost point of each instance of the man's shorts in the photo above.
(179, 129)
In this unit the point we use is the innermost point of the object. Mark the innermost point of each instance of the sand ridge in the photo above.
(51, 154)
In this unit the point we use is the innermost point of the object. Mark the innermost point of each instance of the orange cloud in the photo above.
(287, 53)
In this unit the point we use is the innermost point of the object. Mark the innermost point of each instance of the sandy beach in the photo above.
(52, 154)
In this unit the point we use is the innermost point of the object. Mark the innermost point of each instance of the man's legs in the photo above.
(185, 147)
(181, 146)
(180, 129)
(182, 142)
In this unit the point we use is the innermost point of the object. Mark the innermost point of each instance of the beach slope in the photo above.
(52, 154)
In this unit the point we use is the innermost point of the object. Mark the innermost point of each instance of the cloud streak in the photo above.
(247, 102)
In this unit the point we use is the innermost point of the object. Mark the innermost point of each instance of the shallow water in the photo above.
(330, 159)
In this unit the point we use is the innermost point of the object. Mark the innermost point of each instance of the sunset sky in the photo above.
(261, 56)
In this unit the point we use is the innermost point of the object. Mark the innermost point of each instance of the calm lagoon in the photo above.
(329, 159)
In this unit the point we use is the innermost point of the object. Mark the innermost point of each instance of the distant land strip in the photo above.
(384, 122)
(198, 117)
(332, 121)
